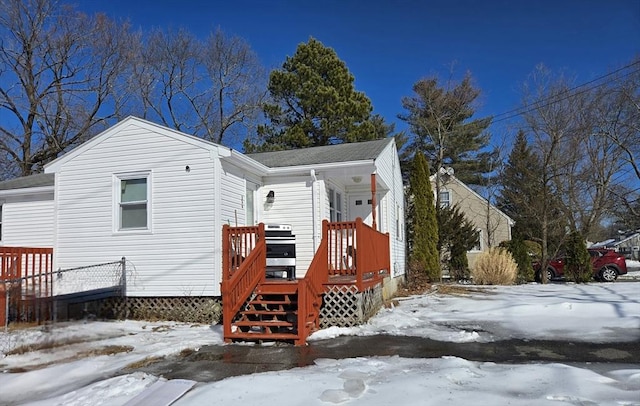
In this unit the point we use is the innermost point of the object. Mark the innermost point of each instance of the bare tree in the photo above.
(618, 121)
(581, 165)
(212, 89)
(60, 73)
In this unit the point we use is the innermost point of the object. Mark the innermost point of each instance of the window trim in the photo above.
(335, 205)
(448, 192)
(480, 245)
(117, 203)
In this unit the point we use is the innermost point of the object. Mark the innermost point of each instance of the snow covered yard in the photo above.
(76, 364)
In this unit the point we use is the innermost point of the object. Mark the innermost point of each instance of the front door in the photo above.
(360, 206)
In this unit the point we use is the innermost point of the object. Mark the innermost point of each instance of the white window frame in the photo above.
(478, 248)
(335, 205)
(250, 203)
(117, 204)
(1, 222)
(448, 201)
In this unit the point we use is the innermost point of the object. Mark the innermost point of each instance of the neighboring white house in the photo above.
(160, 198)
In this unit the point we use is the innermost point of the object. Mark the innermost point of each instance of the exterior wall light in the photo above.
(271, 197)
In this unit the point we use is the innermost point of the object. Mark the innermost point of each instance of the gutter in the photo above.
(27, 191)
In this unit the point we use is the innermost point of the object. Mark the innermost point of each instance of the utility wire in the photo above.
(568, 93)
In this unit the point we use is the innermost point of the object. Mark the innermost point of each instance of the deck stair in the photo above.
(271, 314)
(258, 308)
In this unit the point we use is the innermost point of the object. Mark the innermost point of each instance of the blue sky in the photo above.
(389, 45)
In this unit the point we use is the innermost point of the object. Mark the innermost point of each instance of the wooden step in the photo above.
(286, 301)
(278, 286)
(268, 312)
(255, 336)
(263, 323)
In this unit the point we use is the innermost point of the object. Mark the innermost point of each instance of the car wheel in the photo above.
(608, 274)
(550, 275)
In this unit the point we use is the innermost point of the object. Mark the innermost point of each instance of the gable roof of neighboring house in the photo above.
(356, 151)
(629, 238)
(473, 192)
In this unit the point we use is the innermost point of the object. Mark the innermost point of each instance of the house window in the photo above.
(478, 246)
(249, 207)
(133, 202)
(0, 222)
(335, 205)
(445, 198)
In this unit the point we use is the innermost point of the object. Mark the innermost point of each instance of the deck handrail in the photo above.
(311, 289)
(243, 268)
(357, 249)
(372, 266)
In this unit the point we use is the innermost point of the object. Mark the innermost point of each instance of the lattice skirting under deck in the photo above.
(195, 309)
(345, 306)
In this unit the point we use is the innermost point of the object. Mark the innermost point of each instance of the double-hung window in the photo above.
(445, 199)
(133, 202)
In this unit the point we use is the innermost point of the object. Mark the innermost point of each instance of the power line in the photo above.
(568, 93)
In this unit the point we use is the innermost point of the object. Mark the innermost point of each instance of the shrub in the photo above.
(520, 252)
(578, 267)
(495, 267)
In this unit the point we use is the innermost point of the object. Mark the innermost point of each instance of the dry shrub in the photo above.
(495, 267)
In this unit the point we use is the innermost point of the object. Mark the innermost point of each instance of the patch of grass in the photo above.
(143, 363)
(161, 328)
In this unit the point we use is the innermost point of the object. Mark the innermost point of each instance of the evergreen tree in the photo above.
(520, 253)
(456, 236)
(521, 197)
(440, 119)
(578, 267)
(315, 103)
(422, 223)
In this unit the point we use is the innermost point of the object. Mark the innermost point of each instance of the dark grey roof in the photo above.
(356, 151)
(38, 180)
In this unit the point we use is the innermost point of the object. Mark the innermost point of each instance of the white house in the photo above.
(160, 198)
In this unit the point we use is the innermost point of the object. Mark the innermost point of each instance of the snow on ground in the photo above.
(82, 371)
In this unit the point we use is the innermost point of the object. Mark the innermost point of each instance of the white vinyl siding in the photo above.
(232, 196)
(179, 254)
(293, 205)
(392, 208)
(28, 223)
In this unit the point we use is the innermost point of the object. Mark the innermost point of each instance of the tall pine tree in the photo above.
(314, 103)
(422, 222)
(528, 201)
(440, 118)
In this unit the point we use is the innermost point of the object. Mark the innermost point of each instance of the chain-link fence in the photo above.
(29, 290)
(81, 280)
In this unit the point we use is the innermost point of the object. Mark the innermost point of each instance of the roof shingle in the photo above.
(356, 151)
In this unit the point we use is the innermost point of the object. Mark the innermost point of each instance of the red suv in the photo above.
(607, 265)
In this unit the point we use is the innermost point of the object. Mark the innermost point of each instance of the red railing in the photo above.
(355, 249)
(310, 291)
(243, 261)
(26, 284)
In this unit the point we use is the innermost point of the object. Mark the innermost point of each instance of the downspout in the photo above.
(373, 201)
(314, 208)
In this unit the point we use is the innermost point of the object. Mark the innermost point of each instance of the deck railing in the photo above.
(357, 250)
(310, 291)
(244, 260)
(26, 284)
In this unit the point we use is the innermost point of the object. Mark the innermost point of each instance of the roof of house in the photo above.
(356, 151)
(37, 180)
